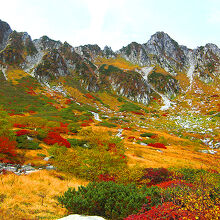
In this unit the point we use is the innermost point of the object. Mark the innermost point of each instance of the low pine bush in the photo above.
(74, 127)
(107, 124)
(76, 142)
(129, 107)
(147, 134)
(107, 199)
(25, 143)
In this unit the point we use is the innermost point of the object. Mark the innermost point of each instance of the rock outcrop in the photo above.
(48, 60)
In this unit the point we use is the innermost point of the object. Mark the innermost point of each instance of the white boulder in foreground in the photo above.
(81, 217)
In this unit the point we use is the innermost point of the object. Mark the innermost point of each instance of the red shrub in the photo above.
(122, 156)
(215, 96)
(213, 171)
(156, 175)
(154, 136)
(12, 114)
(85, 124)
(157, 145)
(61, 130)
(68, 101)
(54, 137)
(174, 183)
(88, 121)
(31, 92)
(106, 178)
(19, 125)
(112, 147)
(22, 132)
(137, 113)
(89, 96)
(63, 125)
(31, 112)
(131, 138)
(167, 210)
(128, 129)
(7, 147)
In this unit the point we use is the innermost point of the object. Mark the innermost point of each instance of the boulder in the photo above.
(81, 217)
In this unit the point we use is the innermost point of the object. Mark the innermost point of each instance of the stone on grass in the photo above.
(81, 217)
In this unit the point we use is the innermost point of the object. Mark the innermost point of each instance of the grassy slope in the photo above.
(38, 197)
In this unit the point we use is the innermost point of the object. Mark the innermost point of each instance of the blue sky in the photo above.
(115, 22)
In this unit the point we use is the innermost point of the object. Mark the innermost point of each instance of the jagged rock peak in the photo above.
(89, 51)
(214, 48)
(135, 53)
(5, 31)
(108, 52)
(45, 43)
(161, 42)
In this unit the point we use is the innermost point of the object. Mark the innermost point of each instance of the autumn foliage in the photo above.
(157, 145)
(16, 125)
(22, 132)
(106, 178)
(167, 211)
(7, 149)
(55, 138)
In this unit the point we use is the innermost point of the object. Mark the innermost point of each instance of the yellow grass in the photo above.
(118, 62)
(33, 196)
(183, 80)
(180, 153)
(110, 100)
(15, 74)
(159, 69)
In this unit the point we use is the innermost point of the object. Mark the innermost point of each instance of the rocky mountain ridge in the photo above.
(47, 60)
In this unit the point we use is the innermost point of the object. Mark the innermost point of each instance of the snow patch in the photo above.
(190, 71)
(4, 69)
(166, 101)
(96, 116)
(146, 71)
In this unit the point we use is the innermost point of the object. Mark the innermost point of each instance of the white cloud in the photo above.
(115, 22)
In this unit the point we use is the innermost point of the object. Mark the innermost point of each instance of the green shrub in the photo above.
(149, 141)
(129, 107)
(76, 142)
(107, 124)
(120, 99)
(163, 140)
(5, 125)
(24, 143)
(73, 127)
(107, 199)
(41, 155)
(53, 124)
(41, 134)
(147, 134)
(87, 163)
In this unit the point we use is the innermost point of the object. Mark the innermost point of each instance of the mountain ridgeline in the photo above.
(151, 67)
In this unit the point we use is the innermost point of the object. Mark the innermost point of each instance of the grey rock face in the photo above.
(47, 59)
(108, 52)
(5, 31)
(135, 53)
(45, 43)
(89, 51)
